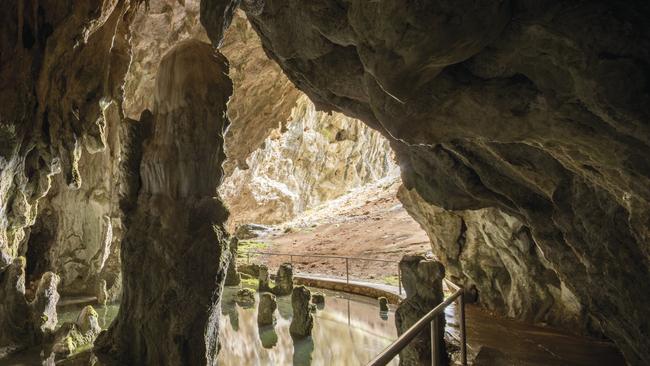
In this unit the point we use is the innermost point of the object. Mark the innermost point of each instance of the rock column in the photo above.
(174, 257)
(302, 321)
(284, 280)
(422, 281)
(232, 277)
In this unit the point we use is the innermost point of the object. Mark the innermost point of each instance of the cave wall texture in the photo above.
(538, 109)
(520, 127)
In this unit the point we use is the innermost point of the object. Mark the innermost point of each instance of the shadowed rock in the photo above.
(302, 320)
(422, 280)
(284, 280)
(264, 279)
(232, 277)
(266, 310)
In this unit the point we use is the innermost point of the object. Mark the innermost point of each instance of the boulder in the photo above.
(422, 280)
(232, 277)
(264, 279)
(79, 336)
(245, 297)
(284, 280)
(302, 320)
(266, 309)
(88, 322)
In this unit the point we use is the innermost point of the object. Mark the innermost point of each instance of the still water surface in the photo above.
(348, 330)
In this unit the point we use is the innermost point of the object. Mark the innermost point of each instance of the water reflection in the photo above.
(348, 330)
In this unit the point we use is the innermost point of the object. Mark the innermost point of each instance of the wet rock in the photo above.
(422, 280)
(245, 297)
(383, 304)
(302, 320)
(266, 310)
(245, 276)
(264, 279)
(232, 276)
(318, 298)
(284, 280)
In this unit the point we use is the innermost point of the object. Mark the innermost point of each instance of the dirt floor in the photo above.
(367, 223)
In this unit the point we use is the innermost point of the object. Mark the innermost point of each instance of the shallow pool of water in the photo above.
(348, 330)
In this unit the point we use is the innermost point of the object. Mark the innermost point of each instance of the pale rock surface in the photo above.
(317, 157)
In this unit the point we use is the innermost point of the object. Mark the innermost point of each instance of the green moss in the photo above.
(391, 280)
(253, 283)
(246, 246)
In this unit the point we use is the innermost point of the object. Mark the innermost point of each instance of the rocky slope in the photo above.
(315, 158)
(538, 109)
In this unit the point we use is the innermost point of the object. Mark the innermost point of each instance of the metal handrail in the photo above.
(431, 319)
(347, 262)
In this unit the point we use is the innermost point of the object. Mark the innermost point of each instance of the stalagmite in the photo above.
(173, 252)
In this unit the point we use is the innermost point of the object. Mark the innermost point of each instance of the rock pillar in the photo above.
(302, 321)
(422, 280)
(173, 254)
(284, 280)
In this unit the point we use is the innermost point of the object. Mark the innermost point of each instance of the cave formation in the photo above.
(520, 128)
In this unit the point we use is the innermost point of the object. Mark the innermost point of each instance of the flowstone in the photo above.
(284, 280)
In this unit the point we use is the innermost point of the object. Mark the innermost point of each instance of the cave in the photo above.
(138, 138)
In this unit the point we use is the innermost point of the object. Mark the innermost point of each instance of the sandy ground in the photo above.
(369, 222)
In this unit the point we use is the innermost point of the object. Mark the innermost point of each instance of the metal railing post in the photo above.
(399, 279)
(291, 260)
(347, 271)
(463, 334)
(435, 349)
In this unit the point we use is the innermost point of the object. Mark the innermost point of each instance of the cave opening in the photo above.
(152, 150)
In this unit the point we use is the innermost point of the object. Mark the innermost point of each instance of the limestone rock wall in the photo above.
(315, 158)
(539, 109)
(493, 253)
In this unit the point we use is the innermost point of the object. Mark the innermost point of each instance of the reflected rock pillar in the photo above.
(174, 254)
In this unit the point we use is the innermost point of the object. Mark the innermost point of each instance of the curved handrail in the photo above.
(429, 319)
(347, 260)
